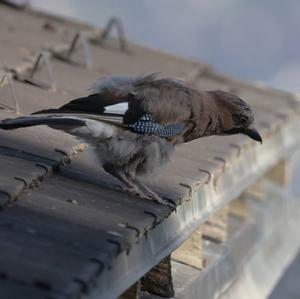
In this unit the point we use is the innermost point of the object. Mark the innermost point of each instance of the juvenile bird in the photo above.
(158, 114)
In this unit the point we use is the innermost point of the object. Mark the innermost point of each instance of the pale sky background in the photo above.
(253, 40)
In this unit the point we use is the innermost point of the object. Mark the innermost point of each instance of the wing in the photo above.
(143, 104)
(86, 127)
(166, 100)
(106, 93)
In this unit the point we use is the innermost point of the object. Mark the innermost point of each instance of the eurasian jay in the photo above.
(158, 114)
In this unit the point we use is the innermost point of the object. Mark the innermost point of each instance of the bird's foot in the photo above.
(146, 194)
(156, 198)
(118, 187)
(130, 190)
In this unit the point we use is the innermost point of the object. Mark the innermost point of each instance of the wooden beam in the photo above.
(132, 293)
(158, 280)
(280, 173)
(256, 190)
(190, 252)
(216, 228)
(239, 208)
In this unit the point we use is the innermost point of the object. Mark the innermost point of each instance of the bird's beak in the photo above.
(252, 133)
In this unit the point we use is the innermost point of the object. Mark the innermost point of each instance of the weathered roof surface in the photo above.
(64, 231)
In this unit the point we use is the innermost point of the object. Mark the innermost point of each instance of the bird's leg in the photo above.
(146, 190)
(149, 194)
(134, 186)
(130, 187)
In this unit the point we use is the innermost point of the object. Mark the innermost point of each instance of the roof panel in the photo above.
(30, 34)
(16, 290)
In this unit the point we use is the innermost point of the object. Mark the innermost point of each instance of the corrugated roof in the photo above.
(64, 231)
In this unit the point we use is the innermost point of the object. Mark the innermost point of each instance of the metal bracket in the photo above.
(208, 173)
(67, 157)
(156, 220)
(80, 39)
(238, 147)
(12, 92)
(42, 59)
(220, 159)
(114, 22)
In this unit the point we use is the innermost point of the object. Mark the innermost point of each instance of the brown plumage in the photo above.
(159, 114)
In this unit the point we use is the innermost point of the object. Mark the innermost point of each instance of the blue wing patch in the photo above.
(146, 125)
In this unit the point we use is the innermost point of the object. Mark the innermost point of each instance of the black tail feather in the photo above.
(22, 122)
(93, 104)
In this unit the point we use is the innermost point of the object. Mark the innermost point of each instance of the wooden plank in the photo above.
(239, 208)
(190, 252)
(280, 173)
(158, 280)
(256, 190)
(216, 228)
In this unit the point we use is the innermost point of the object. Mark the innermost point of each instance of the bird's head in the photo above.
(236, 116)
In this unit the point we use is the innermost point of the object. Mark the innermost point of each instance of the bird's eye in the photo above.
(210, 122)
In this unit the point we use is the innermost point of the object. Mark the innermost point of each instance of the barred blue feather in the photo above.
(146, 125)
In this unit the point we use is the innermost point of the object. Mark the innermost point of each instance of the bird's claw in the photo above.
(146, 195)
(156, 198)
(118, 187)
(129, 190)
